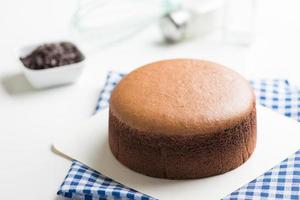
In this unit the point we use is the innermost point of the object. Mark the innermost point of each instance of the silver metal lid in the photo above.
(174, 25)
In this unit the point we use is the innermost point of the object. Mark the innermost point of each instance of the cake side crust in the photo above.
(183, 156)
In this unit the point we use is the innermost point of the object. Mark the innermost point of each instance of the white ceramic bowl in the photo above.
(43, 78)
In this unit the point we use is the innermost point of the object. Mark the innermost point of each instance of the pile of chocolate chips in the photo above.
(53, 55)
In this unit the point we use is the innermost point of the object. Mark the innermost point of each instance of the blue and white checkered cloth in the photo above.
(85, 183)
(280, 182)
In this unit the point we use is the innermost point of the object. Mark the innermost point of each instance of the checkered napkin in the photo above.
(280, 182)
(85, 183)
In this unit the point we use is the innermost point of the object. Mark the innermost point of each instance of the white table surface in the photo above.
(30, 119)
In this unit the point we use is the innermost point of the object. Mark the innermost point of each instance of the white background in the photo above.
(30, 119)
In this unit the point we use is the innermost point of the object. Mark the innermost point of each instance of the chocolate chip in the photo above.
(52, 55)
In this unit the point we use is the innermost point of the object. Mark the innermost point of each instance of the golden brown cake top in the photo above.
(182, 96)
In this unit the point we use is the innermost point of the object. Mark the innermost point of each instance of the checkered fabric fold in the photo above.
(278, 95)
(85, 183)
(280, 182)
(112, 79)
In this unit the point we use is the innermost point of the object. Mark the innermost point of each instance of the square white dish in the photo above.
(277, 138)
(43, 78)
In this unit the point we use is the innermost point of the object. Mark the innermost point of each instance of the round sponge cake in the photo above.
(182, 119)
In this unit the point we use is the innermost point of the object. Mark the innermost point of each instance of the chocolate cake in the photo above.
(182, 119)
